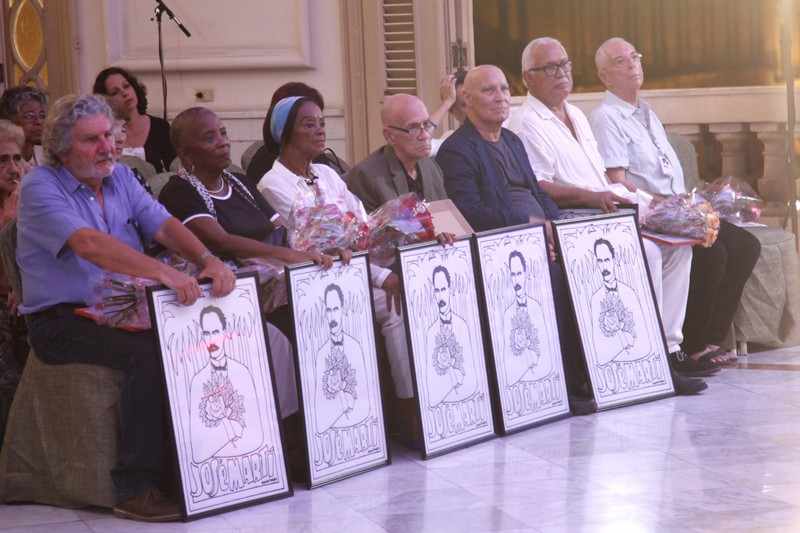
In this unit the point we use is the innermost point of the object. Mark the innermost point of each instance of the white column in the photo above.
(733, 137)
(772, 184)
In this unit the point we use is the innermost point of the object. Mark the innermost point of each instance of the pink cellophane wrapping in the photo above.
(734, 199)
(684, 215)
(325, 227)
(120, 300)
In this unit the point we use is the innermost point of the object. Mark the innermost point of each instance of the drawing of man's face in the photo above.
(518, 268)
(213, 329)
(604, 253)
(441, 290)
(333, 310)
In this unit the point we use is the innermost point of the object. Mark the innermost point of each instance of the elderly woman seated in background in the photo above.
(148, 136)
(27, 108)
(13, 345)
(266, 155)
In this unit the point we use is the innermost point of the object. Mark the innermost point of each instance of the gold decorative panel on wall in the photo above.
(25, 29)
(686, 43)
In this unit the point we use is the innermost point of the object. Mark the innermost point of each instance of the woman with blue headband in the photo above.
(265, 156)
(298, 126)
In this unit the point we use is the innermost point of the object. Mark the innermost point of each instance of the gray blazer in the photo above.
(380, 178)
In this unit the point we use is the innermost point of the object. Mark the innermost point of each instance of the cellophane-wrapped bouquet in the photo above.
(685, 215)
(120, 300)
(326, 227)
(403, 220)
(734, 199)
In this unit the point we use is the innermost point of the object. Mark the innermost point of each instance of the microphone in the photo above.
(162, 7)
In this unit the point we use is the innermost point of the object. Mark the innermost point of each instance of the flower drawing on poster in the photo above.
(221, 401)
(339, 375)
(523, 335)
(448, 353)
(615, 319)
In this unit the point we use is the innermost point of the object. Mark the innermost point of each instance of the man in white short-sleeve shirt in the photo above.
(563, 153)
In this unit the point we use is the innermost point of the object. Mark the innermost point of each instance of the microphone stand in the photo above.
(159, 11)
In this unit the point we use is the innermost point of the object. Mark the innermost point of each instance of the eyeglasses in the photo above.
(8, 158)
(31, 116)
(415, 129)
(634, 57)
(551, 69)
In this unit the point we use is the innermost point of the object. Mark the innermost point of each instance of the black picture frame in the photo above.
(161, 297)
(569, 248)
(477, 408)
(379, 427)
(538, 396)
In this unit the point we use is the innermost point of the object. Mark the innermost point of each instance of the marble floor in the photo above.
(728, 460)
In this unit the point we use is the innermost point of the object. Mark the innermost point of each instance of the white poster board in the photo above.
(615, 309)
(446, 345)
(222, 400)
(518, 298)
(337, 369)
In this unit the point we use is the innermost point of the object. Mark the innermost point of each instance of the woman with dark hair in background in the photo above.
(148, 136)
(266, 155)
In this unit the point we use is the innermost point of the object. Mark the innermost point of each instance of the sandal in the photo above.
(713, 354)
(690, 367)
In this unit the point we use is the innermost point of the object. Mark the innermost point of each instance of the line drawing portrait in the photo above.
(615, 309)
(522, 322)
(338, 369)
(341, 395)
(446, 342)
(452, 378)
(515, 275)
(225, 418)
(222, 399)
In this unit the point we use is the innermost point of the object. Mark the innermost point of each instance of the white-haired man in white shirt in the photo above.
(563, 153)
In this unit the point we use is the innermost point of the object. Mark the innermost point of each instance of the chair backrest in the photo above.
(8, 255)
(145, 169)
(158, 181)
(233, 169)
(688, 158)
(248, 154)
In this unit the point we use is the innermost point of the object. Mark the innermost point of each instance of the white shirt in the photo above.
(555, 155)
(633, 138)
(283, 189)
(38, 156)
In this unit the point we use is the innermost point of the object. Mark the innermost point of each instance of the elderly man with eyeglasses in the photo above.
(27, 108)
(403, 164)
(637, 153)
(563, 153)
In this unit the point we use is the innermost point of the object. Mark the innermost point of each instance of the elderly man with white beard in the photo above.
(563, 153)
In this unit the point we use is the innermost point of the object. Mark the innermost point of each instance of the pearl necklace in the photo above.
(220, 189)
